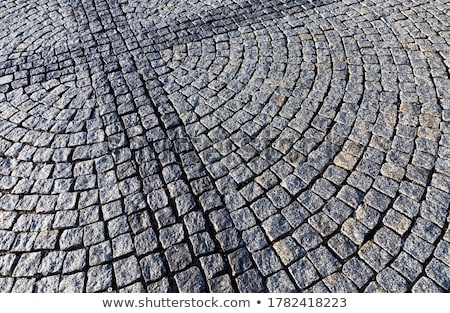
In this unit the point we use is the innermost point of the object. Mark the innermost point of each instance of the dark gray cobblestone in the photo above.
(224, 146)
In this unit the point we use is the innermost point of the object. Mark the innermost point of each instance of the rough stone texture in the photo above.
(152, 267)
(221, 284)
(337, 282)
(280, 282)
(304, 273)
(250, 281)
(392, 281)
(357, 271)
(72, 283)
(226, 146)
(99, 278)
(190, 280)
(126, 271)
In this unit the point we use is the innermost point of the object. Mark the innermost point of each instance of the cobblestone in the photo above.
(373, 255)
(407, 266)
(307, 237)
(442, 252)
(418, 248)
(288, 250)
(126, 271)
(304, 273)
(224, 146)
(425, 285)
(276, 226)
(280, 282)
(250, 281)
(339, 283)
(438, 272)
(178, 257)
(357, 271)
(72, 283)
(99, 278)
(391, 281)
(388, 240)
(267, 261)
(74, 261)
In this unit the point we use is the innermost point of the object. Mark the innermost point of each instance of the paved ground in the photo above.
(230, 145)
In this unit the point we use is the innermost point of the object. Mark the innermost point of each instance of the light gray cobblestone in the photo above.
(224, 146)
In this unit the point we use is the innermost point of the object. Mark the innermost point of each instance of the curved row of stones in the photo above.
(224, 146)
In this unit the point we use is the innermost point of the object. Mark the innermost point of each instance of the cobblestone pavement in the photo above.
(246, 146)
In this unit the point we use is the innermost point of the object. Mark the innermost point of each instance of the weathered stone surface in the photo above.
(171, 235)
(190, 280)
(250, 281)
(324, 261)
(122, 245)
(425, 285)
(357, 271)
(337, 282)
(153, 267)
(304, 273)
(439, 272)
(126, 271)
(280, 282)
(225, 146)
(178, 257)
(72, 283)
(221, 284)
(74, 261)
(267, 261)
(99, 278)
(392, 281)
(28, 265)
(288, 250)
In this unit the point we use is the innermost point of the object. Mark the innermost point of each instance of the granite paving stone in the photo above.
(250, 281)
(99, 278)
(425, 285)
(337, 282)
(126, 271)
(74, 261)
(391, 281)
(280, 283)
(221, 284)
(374, 255)
(224, 146)
(357, 271)
(72, 283)
(439, 273)
(406, 265)
(324, 261)
(304, 273)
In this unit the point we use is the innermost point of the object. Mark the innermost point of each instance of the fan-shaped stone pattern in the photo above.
(224, 146)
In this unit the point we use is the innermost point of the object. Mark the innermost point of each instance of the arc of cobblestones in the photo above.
(224, 146)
